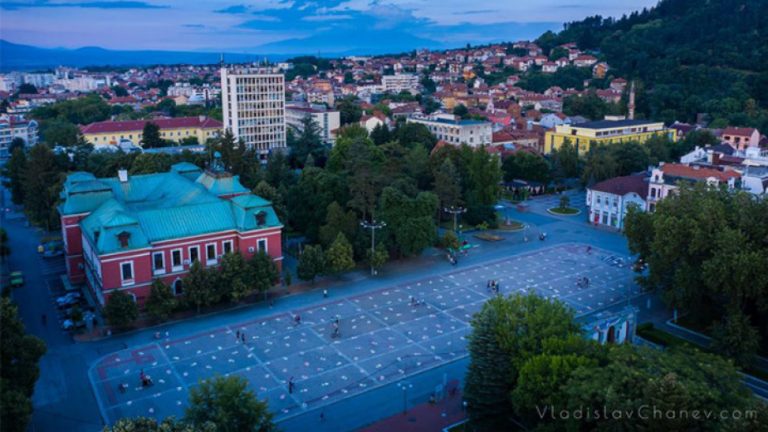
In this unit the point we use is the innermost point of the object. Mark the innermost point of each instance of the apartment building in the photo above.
(454, 131)
(326, 120)
(400, 82)
(253, 102)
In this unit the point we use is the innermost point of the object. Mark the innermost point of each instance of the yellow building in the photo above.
(171, 129)
(585, 135)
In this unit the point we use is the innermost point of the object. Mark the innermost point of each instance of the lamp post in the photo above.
(405, 385)
(373, 226)
(455, 211)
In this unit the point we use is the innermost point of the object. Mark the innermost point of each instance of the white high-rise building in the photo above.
(400, 82)
(253, 102)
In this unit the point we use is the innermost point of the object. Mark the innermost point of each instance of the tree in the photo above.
(566, 160)
(489, 374)
(119, 91)
(151, 136)
(40, 185)
(601, 165)
(59, 133)
(235, 277)
(505, 334)
(339, 257)
(380, 134)
(198, 289)
(161, 301)
(450, 241)
(378, 257)
(121, 310)
(227, 403)
(146, 424)
(526, 166)
(19, 368)
(410, 221)
(263, 272)
(27, 88)
(349, 111)
(460, 110)
(412, 134)
(482, 190)
(447, 184)
(308, 143)
(736, 337)
(337, 222)
(13, 171)
(311, 263)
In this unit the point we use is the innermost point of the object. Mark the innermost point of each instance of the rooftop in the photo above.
(184, 202)
(137, 125)
(624, 185)
(608, 124)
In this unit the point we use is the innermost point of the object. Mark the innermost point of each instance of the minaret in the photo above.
(631, 105)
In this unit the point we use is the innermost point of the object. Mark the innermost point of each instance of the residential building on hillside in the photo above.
(253, 103)
(112, 133)
(121, 233)
(741, 138)
(584, 135)
(326, 120)
(456, 132)
(400, 82)
(608, 201)
(667, 176)
(14, 126)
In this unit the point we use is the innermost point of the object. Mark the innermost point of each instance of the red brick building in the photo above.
(121, 233)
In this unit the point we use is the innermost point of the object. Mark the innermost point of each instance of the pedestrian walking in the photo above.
(322, 417)
(237, 335)
(242, 337)
(290, 385)
(325, 293)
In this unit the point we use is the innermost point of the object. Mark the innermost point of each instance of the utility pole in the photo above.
(373, 226)
(455, 211)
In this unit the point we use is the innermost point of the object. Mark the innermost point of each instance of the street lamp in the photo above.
(405, 385)
(455, 211)
(373, 226)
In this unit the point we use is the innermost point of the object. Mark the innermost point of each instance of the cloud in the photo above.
(335, 17)
(85, 5)
(194, 26)
(477, 12)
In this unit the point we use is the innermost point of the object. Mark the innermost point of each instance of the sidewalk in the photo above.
(424, 417)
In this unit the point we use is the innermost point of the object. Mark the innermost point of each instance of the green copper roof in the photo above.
(155, 207)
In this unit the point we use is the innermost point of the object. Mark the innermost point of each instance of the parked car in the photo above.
(68, 324)
(69, 299)
(16, 279)
(53, 249)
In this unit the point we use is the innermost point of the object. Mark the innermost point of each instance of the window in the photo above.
(176, 260)
(158, 263)
(126, 273)
(227, 246)
(194, 254)
(262, 245)
(210, 253)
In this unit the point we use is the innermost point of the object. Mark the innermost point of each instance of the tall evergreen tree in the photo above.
(339, 256)
(13, 171)
(41, 180)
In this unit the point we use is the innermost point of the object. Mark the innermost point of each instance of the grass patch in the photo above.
(461, 427)
(567, 211)
(513, 225)
(488, 237)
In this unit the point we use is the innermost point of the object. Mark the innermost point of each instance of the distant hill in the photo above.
(689, 57)
(24, 57)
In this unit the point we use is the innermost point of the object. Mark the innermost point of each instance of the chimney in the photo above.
(631, 105)
(122, 175)
(202, 118)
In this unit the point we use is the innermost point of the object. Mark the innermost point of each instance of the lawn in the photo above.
(564, 211)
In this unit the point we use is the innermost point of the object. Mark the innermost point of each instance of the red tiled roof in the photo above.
(737, 131)
(685, 171)
(133, 125)
(624, 185)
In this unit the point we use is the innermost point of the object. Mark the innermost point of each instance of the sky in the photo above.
(290, 26)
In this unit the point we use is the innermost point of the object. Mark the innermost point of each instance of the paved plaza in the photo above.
(383, 336)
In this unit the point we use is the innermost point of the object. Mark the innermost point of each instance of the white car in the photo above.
(68, 299)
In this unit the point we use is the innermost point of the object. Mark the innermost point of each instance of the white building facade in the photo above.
(12, 127)
(253, 103)
(400, 82)
(610, 200)
(447, 128)
(326, 120)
